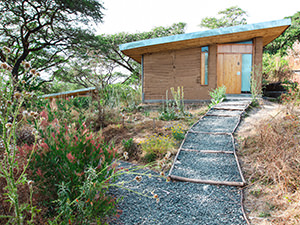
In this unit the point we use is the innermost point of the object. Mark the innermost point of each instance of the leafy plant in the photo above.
(275, 68)
(178, 132)
(158, 145)
(218, 95)
(13, 163)
(292, 96)
(65, 160)
(174, 109)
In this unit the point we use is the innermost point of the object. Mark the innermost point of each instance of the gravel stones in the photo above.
(215, 124)
(180, 203)
(207, 166)
(203, 141)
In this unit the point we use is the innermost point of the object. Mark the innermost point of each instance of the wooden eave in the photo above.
(135, 50)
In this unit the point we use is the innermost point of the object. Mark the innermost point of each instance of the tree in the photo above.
(231, 16)
(105, 52)
(109, 45)
(287, 39)
(43, 31)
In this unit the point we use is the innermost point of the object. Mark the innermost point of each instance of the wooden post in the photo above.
(257, 62)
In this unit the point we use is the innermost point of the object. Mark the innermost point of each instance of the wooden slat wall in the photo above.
(235, 48)
(164, 70)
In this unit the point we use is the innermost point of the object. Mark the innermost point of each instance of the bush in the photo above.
(178, 132)
(275, 67)
(292, 95)
(72, 167)
(157, 146)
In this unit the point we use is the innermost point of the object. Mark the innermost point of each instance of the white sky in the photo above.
(142, 15)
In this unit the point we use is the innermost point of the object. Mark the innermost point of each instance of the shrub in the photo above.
(275, 67)
(292, 95)
(73, 163)
(157, 145)
(178, 132)
(129, 146)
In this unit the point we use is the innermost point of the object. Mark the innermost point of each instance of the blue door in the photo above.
(246, 72)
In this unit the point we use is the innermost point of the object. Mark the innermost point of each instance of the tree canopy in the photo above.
(231, 16)
(287, 39)
(42, 31)
(105, 55)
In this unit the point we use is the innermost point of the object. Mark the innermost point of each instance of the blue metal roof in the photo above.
(78, 91)
(207, 33)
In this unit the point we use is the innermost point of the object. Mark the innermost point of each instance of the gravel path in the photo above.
(216, 124)
(207, 166)
(193, 203)
(180, 203)
(203, 141)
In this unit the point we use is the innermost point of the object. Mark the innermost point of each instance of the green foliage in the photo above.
(218, 95)
(122, 96)
(108, 47)
(13, 162)
(178, 132)
(157, 145)
(231, 16)
(174, 109)
(43, 31)
(129, 146)
(275, 67)
(287, 39)
(69, 164)
(292, 95)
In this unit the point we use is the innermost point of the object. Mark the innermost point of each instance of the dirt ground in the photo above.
(139, 126)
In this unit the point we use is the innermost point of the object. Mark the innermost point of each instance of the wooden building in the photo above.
(202, 61)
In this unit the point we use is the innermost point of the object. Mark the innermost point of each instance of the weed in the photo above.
(218, 95)
(264, 214)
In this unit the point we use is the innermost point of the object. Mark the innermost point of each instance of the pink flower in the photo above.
(44, 146)
(44, 114)
(39, 172)
(70, 157)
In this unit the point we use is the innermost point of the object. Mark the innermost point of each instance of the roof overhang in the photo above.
(267, 30)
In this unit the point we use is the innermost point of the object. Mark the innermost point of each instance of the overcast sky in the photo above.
(142, 15)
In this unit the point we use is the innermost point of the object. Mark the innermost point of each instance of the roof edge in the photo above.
(206, 33)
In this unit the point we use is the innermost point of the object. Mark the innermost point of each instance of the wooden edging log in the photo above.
(222, 115)
(212, 133)
(229, 109)
(208, 151)
(228, 183)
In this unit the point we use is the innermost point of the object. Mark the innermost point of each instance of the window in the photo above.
(204, 66)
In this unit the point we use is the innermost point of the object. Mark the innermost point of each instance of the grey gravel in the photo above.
(207, 166)
(203, 141)
(180, 203)
(216, 124)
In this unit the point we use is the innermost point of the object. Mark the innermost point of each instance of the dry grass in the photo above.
(271, 163)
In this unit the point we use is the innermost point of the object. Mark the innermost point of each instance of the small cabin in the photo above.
(202, 61)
